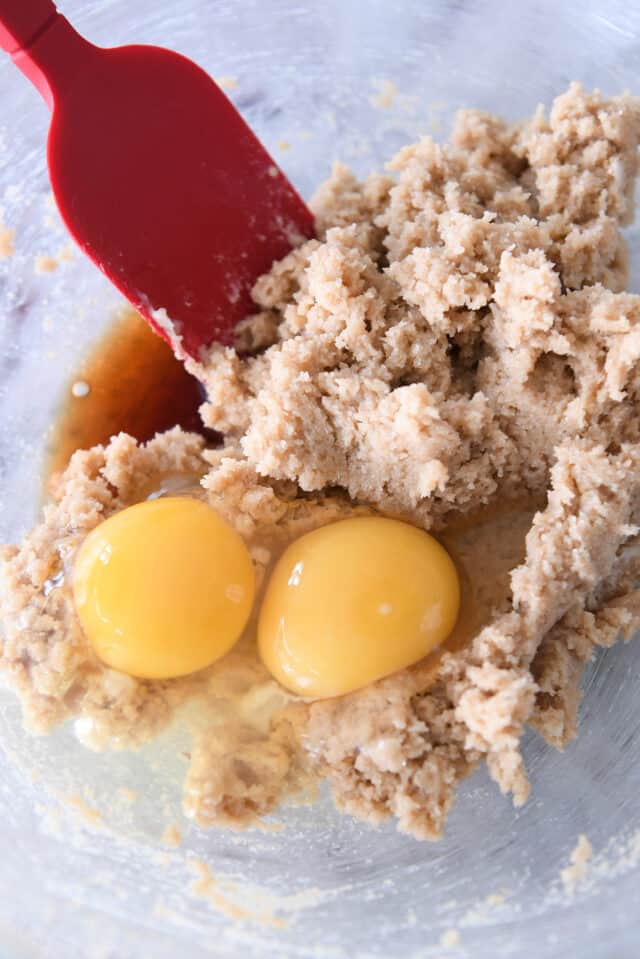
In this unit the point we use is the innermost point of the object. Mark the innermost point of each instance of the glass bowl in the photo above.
(84, 871)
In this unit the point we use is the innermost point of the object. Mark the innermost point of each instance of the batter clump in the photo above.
(454, 349)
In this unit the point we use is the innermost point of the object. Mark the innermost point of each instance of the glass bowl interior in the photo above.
(83, 868)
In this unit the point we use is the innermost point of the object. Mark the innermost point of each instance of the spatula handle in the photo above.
(22, 20)
(43, 45)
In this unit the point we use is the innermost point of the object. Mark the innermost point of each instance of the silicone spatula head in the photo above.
(156, 175)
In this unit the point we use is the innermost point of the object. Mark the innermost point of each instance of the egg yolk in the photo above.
(163, 588)
(355, 601)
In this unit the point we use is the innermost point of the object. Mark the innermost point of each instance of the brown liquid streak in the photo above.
(136, 385)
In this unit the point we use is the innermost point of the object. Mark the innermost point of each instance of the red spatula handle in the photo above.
(22, 20)
(42, 44)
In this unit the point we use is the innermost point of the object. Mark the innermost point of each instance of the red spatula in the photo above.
(156, 175)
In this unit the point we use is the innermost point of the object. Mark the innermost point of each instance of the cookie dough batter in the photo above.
(454, 349)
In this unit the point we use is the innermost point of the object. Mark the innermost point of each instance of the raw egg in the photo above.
(354, 601)
(163, 588)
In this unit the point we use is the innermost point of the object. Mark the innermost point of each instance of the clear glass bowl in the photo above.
(80, 883)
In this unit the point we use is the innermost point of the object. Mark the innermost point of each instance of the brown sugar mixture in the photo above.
(454, 349)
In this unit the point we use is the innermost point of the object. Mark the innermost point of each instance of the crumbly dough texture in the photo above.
(455, 338)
